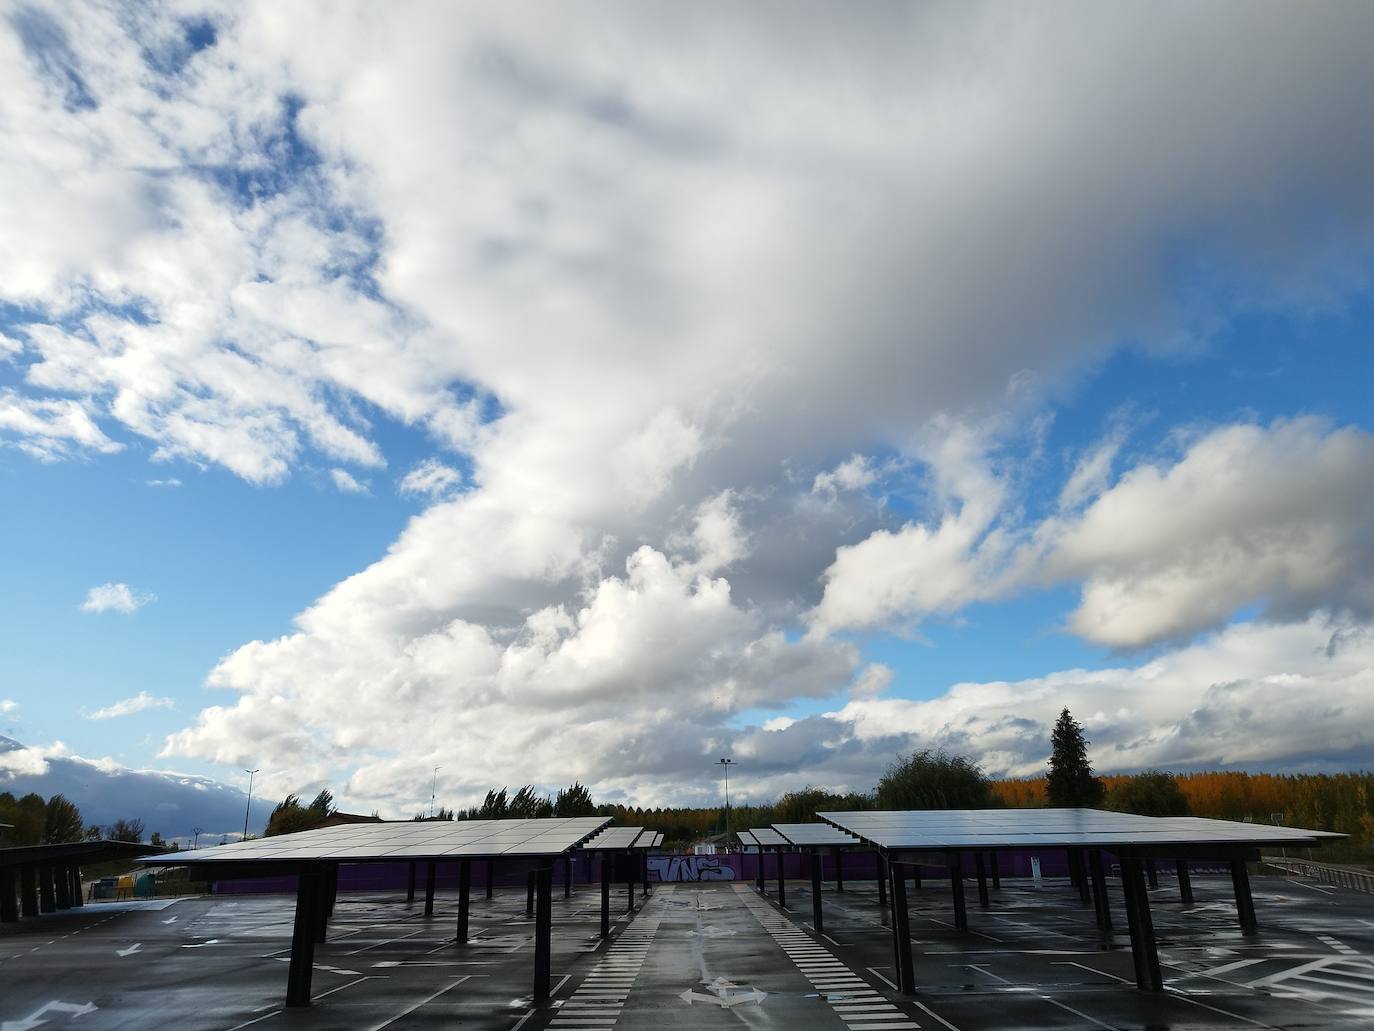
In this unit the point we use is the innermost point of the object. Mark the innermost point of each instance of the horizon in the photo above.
(476, 398)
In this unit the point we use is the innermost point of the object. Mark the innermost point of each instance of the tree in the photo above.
(322, 805)
(290, 817)
(574, 801)
(27, 816)
(802, 806)
(156, 840)
(934, 780)
(1152, 793)
(1071, 781)
(528, 805)
(125, 830)
(61, 821)
(495, 806)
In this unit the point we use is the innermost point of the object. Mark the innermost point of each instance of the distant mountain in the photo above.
(172, 804)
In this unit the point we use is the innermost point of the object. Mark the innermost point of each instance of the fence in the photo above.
(1356, 880)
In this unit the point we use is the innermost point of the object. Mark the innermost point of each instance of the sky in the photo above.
(543, 394)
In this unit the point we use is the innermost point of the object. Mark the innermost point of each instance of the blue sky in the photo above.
(543, 416)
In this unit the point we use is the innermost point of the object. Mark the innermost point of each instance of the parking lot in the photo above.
(700, 956)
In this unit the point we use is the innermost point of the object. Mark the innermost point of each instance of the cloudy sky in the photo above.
(554, 392)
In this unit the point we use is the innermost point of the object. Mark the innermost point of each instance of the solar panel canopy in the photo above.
(747, 839)
(1054, 828)
(769, 838)
(614, 839)
(429, 839)
(812, 834)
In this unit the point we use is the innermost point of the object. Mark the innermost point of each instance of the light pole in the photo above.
(725, 765)
(433, 788)
(247, 805)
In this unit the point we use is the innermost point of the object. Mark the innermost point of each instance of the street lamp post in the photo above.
(247, 805)
(725, 765)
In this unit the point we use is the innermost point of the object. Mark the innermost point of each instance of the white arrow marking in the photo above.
(201, 945)
(135, 947)
(36, 1017)
(712, 932)
(170, 920)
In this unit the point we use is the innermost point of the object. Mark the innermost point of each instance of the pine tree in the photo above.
(1071, 781)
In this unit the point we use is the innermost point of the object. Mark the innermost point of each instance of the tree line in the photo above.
(35, 820)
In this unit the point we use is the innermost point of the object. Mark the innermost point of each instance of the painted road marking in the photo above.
(860, 1006)
(596, 1003)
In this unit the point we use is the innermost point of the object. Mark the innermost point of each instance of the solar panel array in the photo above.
(1050, 828)
(769, 838)
(746, 839)
(428, 839)
(813, 834)
(614, 839)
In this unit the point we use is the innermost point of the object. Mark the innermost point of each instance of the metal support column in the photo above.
(543, 930)
(996, 870)
(1185, 882)
(62, 885)
(491, 876)
(782, 883)
(758, 872)
(1245, 902)
(901, 933)
(28, 890)
(1102, 903)
(980, 865)
(956, 884)
(630, 881)
(839, 870)
(567, 876)
(882, 885)
(429, 889)
(302, 967)
(1144, 952)
(1151, 874)
(464, 899)
(816, 916)
(9, 895)
(605, 895)
(77, 899)
(410, 885)
(47, 896)
(916, 877)
(323, 902)
(644, 871)
(530, 878)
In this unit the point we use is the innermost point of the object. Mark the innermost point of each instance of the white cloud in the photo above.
(346, 483)
(665, 286)
(170, 482)
(431, 478)
(854, 473)
(128, 706)
(116, 597)
(23, 762)
(7, 706)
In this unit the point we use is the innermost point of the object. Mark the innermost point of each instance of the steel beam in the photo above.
(1245, 901)
(28, 890)
(839, 870)
(464, 899)
(629, 860)
(491, 877)
(758, 872)
(1102, 903)
(567, 876)
(782, 883)
(956, 885)
(1185, 882)
(530, 878)
(429, 889)
(9, 895)
(982, 871)
(605, 895)
(1144, 951)
(77, 899)
(882, 885)
(1151, 874)
(47, 893)
(901, 933)
(996, 870)
(543, 930)
(302, 966)
(410, 885)
(816, 916)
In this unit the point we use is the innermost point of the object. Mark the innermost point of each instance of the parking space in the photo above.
(700, 956)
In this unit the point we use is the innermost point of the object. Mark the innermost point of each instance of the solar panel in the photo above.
(645, 840)
(430, 839)
(769, 838)
(811, 834)
(614, 839)
(1054, 828)
(746, 839)
(658, 839)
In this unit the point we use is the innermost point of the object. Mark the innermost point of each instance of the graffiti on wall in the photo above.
(691, 868)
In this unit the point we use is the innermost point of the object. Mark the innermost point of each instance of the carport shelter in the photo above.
(314, 857)
(910, 840)
(45, 878)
